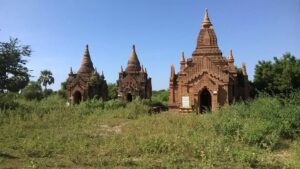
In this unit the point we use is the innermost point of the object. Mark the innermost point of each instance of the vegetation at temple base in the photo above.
(114, 134)
(13, 73)
(38, 129)
(112, 91)
(160, 96)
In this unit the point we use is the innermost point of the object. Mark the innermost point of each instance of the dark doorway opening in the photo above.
(77, 97)
(129, 97)
(205, 101)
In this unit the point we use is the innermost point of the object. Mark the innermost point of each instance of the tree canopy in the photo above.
(32, 91)
(112, 91)
(46, 78)
(278, 77)
(14, 75)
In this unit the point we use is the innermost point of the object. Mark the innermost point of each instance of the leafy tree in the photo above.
(46, 78)
(160, 96)
(13, 73)
(112, 91)
(32, 91)
(279, 77)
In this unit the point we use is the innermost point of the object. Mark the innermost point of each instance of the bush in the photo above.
(134, 109)
(47, 92)
(32, 92)
(8, 101)
(114, 104)
(89, 106)
(161, 96)
(261, 122)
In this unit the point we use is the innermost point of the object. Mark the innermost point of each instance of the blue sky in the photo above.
(58, 31)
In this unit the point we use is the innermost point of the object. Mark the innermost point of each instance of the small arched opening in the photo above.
(129, 97)
(77, 97)
(204, 101)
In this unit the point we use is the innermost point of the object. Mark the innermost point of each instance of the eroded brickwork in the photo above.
(86, 83)
(207, 80)
(134, 81)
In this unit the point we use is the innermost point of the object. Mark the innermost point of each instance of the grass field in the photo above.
(263, 133)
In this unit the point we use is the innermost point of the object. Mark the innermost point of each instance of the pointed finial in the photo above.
(121, 69)
(244, 71)
(142, 69)
(172, 72)
(145, 70)
(133, 47)
(206, 21)
(87, 52)
(71, 71)
(230, 57)
(182, 59)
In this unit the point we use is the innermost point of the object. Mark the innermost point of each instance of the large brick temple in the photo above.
(134, 81)
(86, 83)
(207, 80)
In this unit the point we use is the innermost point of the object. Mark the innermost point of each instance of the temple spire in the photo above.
(86, 63)
(230, 57)
(182, 62)
(133, 62)
(244, 71)
(206, 21)
(121, 71)
(172, 76)
(182, 59)
(207, 40)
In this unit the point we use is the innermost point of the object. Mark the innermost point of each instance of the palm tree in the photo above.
(46, 78)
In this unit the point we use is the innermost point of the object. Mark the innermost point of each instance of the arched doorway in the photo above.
(77, 97)
(129, 97)
(204, 101)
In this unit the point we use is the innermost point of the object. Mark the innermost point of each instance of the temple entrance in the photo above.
(204, 101)
(129, 97)
(77, 97)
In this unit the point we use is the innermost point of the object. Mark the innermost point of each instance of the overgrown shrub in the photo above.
(160, 97)
(261, 122)
(32, 91)
(47, 92)
(134, 109)
(114, 104)
(8, 101)
(89, 106)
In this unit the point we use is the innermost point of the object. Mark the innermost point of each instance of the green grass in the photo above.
(263, 133)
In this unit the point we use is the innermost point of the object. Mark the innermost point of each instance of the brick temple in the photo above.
(86, 83)
(134, 81)
(207, 80)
